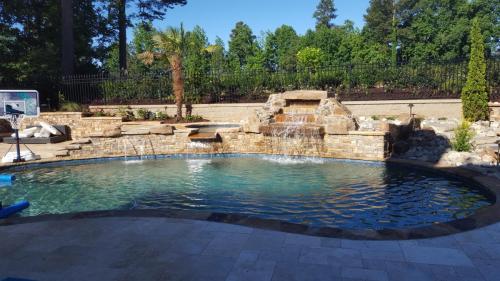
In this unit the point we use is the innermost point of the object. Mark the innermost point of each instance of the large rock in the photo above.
(305, 95)
(162, 130)
(339, 125)
(252, 124)
(111, 132)
(332, 107)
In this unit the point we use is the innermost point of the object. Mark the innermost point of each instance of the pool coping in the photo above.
(481, 217)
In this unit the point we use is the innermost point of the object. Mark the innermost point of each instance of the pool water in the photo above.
(319, 192)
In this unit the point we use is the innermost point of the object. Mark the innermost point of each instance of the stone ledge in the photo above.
(367, 133)
(101, 118)
(424, 101)
(59, 113)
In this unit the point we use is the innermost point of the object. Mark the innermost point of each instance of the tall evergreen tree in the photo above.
(67, 38)
(325, 13)
(242, 44)
(378, 18)
(281, 48)
(474, 93)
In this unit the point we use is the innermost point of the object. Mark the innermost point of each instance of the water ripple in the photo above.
(319, 192)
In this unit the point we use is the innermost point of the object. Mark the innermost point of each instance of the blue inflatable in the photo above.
(10, 210)
(7, 177)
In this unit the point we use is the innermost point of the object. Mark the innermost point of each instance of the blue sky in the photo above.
(218, 17)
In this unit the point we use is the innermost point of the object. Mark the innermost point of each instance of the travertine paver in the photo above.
(174, 249)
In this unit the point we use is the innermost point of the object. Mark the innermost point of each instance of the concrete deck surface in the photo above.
(46, 151)
(175, 249)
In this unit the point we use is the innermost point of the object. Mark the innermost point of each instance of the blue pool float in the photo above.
(7, 178)
(10, 210)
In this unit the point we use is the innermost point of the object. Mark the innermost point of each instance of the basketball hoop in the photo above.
(15, 105)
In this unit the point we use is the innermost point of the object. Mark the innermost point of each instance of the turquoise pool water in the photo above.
(321, 192)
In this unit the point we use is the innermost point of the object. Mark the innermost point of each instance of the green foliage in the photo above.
(126, 113)
(70, 107)
(242, 44)
(101, 113)
(463, 138)
(378, 27)
(281, 48)
(161, 115)
(325, 13)
(474, 93)
(144, 114)
(194, 118)
(137, 87)
(310, 58)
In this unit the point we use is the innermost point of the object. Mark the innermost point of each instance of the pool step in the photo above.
(73, 147)
(62, 153)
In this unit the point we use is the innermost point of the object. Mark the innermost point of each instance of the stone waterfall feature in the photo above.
(296, 122)
(305, 123)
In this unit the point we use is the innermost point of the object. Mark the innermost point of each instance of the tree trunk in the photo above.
(122, 35)
(67, 37)
(177, 83)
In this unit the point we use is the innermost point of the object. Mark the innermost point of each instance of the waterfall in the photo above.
(139, 153)
(296, 135)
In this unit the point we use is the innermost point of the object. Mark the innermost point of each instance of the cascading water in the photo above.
(296, 135)
(139, 153)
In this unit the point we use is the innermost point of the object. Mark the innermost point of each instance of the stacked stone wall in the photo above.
(81, 127)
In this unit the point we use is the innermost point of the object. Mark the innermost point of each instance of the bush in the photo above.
(474, 94)
(194, 118)
(125, 113)
(143, 114)
(70, 107)
(463, 138)
(161, 115)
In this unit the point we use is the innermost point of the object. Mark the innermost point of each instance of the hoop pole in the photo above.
(18, 148)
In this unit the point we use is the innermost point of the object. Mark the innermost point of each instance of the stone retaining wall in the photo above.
(236, 112)
(355, 145)
(80, 127)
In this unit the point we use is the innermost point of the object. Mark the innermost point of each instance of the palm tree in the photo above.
(170, 45)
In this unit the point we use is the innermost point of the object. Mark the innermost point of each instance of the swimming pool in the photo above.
(312, 191)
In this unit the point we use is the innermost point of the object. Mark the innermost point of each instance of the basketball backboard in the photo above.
(25, 102)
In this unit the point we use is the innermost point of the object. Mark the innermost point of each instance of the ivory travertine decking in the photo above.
(124, 248)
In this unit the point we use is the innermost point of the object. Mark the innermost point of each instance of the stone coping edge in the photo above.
(482, 217)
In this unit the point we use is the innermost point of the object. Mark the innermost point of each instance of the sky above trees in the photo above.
(219, 17)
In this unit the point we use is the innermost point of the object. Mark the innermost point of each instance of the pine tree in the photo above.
(474, 93)
(325, 13)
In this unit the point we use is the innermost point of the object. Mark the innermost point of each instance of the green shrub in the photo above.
(143, 114)
(70, 107)
(194, 118)
(125, 113)
(161, 115)
(101, 113)
(463, 138)
(474, 93)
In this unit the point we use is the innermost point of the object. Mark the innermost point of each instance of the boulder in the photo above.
(252, 125)
(305, 95)
(332, 107)
(162, 130)
(339, 125)
(111, 132)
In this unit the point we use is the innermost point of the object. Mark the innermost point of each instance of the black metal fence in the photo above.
(351, 82)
